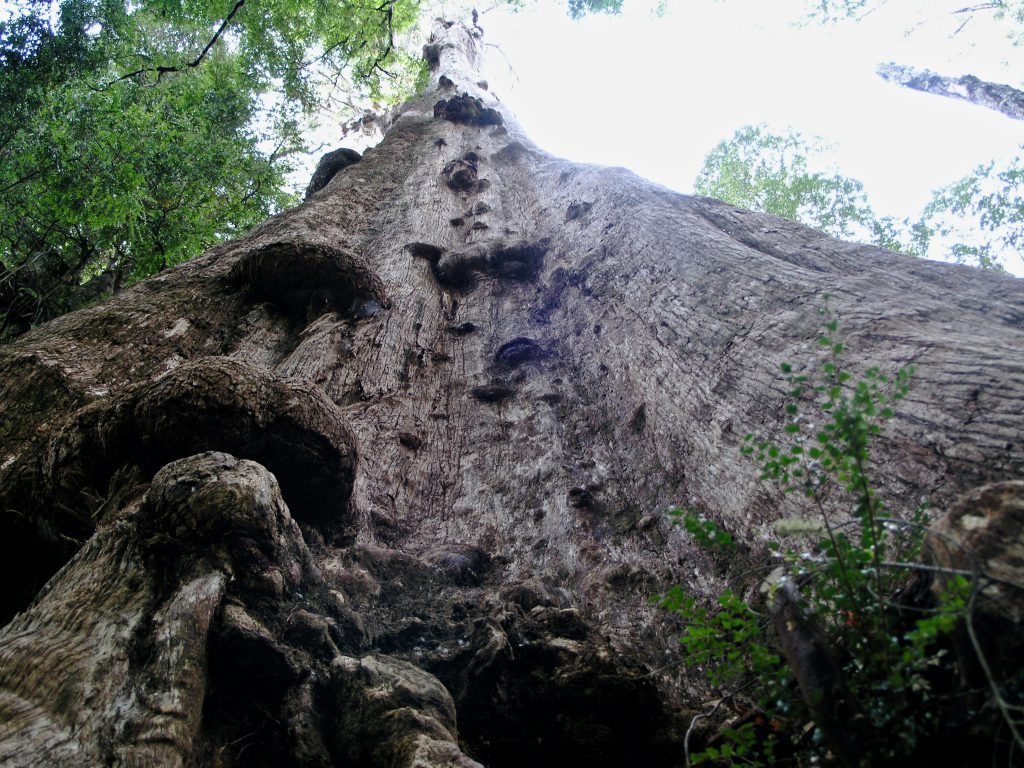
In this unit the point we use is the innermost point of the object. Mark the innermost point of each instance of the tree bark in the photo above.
(1002, 98)
(382, 483)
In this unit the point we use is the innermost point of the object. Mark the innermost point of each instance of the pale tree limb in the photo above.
(998, 96)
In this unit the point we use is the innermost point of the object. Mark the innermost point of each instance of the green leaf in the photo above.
(769, 172)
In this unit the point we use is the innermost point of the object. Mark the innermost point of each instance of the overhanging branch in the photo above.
(163, 70)
(998, 96)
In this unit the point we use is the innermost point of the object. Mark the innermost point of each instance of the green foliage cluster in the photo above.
(580, 8)
(897, 678)
(1009, 12)
(981, 215)
(770, 172)
(134, 135)
(128, 181)
(971, 221)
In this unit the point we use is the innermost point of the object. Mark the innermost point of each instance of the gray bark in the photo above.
(449, 398)
(998, 96)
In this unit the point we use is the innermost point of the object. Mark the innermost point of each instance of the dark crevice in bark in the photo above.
(463, 329)
(210, 404)
(518, 261)
(307, 280)
(245, 711)
(464, 564)
(577, 210)
(461, 270)
(518, 351)
(495, 392)
(461, 174)
(431, 253)
(330, 165)
(432, 55)
(540, 689)
(467, 110)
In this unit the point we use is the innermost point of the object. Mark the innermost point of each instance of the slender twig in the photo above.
(163, 70)
(974, 8)
(710, 713)
(952, 572)
(843, 571)
(327, 52)
(1001, 703)
(508, 63)
(387, 8)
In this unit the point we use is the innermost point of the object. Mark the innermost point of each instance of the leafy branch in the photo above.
(162, 70)
(845, 662)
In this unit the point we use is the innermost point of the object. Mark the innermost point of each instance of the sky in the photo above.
(656, 94)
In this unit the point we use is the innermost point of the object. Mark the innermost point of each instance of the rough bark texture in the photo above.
(998, 96)
(448, 399)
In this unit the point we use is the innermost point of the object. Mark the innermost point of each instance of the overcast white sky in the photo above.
(655, 94)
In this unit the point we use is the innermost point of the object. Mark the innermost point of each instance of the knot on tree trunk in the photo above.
(304, 280)
(467, 110)
(219, 404)
(222, 404)
(982, 535)
(329, 167)
(461, 174)
(211, 530)
(461, 270)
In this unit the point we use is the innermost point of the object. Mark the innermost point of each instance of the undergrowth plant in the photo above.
(839, 664)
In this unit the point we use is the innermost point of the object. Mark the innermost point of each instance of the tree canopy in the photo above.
(132, 136)
(771, 172)
(980, 215)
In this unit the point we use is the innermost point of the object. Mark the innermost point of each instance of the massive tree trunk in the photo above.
(383, 482)
(998, 96)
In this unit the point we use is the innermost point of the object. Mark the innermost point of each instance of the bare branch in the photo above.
(327, 52)
(1000, 97)
(976, 8)
(27, 177)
